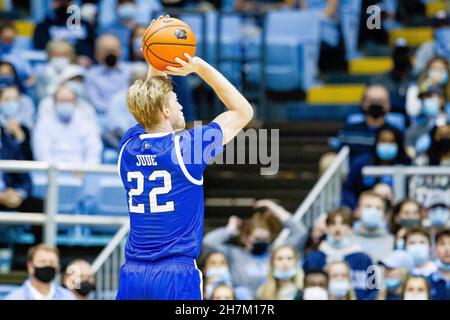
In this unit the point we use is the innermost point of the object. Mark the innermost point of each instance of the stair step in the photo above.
(434, 7)
(370, 65)
(336, 94)
(414, 36)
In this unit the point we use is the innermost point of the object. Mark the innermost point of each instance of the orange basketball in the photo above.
(166, 39)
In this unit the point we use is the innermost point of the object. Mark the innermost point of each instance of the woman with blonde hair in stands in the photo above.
(339, 281)
(285, 278)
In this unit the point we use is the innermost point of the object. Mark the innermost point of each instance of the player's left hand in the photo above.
(192, 65)
(273, 209)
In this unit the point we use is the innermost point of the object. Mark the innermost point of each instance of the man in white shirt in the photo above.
(43, 266)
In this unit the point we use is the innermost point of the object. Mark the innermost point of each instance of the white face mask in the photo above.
(415, 296)
(59, 63)
(339, 288)
(315, 293)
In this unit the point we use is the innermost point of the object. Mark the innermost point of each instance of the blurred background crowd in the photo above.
(63, 89)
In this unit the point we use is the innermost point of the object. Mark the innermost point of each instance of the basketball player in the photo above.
(161, 167)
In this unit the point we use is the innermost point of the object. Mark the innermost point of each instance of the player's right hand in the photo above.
(192, 65)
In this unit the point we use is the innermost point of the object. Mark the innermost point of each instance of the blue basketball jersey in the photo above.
(163, 177)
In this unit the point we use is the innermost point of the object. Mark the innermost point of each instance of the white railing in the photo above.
(325, 195)
(401, 174)
(51, 218)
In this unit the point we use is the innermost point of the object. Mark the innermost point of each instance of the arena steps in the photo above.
(415, 36)
(434, 6)
(335, 94)
(370, 66)
(232, 189)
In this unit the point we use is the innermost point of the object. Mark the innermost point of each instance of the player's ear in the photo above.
(166, 111)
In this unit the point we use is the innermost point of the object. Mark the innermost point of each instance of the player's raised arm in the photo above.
(239, 113)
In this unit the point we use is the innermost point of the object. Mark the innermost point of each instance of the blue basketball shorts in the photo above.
(176, 278)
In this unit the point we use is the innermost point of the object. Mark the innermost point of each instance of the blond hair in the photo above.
(269, 290)
(61, 46)
(146, 99)
(40, 247)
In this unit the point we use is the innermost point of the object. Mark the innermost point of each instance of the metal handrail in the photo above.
(332, 173)
(401, 173)
(109, 249)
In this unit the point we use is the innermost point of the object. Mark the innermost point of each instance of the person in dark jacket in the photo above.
(59, 24)
(388, 151)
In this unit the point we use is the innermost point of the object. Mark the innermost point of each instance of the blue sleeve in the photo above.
(199, 146)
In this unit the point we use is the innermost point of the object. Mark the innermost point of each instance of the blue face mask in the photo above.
(387, 151)
(221, 273)
(442, 265)
(371, 218)
(338, 288)
(342, 243)
(284, 275)
(77, 87)
(9, 109)
(431, 107)
(438, 216)
(5, 48)
(7, 81)
(419, 252)
(392, 283)
(65, 111)
(126, 11)
(438, 74)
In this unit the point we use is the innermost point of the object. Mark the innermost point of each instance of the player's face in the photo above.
(443, 249)
(176, 116)
(284, 259)
(338, 229)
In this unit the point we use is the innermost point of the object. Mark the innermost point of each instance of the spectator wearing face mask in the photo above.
(369, 231)
(60, 55)
(339, 281)
(285, 278)
(360, 137)
(440, 279)
(439, 46)
(9, 52)
(223, 292)
(338, 247)
(55, 27)
(437, 213)
(216, 272)
(42, 266)
(123, 26)
(251, 262)
(416, 288)
(385, 191)
(418, 245)
(315, 286)
(66, 135)
(436, 73)
(8, 79)
(407, 214)
(108, 77)
(418, 135)
(396, 267)
(387, 151)
(13, 120)
(79, 279)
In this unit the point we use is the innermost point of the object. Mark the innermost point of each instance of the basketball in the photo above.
(166, 39)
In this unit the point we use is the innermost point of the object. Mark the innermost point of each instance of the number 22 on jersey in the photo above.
(154, 207)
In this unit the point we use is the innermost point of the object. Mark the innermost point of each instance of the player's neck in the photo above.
(164, 126)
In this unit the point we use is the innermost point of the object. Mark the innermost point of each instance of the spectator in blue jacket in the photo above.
(360, 137)
(387, 151)
(338, 247)
(43, 266)
(440, 280)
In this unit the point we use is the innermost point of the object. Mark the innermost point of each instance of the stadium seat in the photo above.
(370, 65)
(335, 94)
(287, 49)
(414, 36)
